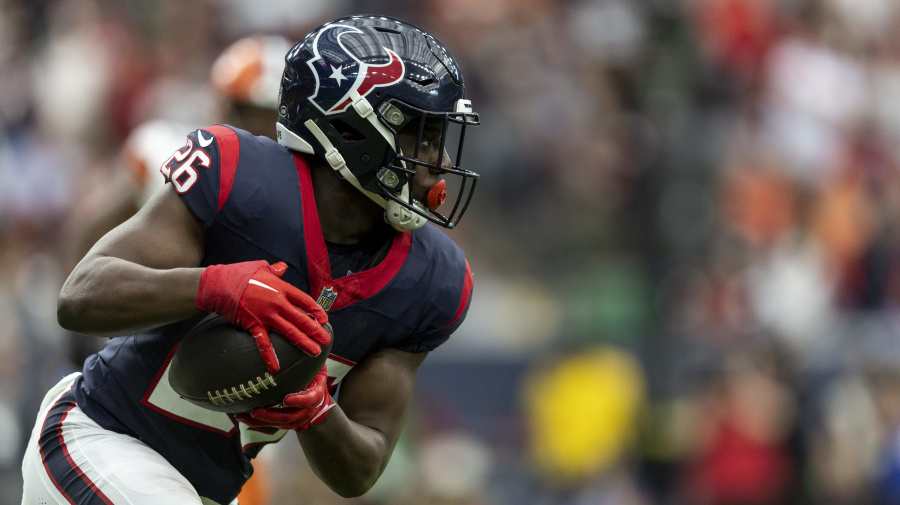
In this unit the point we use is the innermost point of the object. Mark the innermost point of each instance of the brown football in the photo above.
(218, 366)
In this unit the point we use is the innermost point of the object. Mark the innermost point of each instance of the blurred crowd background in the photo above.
(686, 238)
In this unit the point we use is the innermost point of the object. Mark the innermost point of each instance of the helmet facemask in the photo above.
(401, 168)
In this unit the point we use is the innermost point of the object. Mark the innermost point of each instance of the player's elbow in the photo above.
(357, 479)
(354, 488)
(354, 493)
(73, 306)
(68, 309)
(76, 305)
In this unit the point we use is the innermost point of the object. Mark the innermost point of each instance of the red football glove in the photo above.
(300, 410)
(251, 295)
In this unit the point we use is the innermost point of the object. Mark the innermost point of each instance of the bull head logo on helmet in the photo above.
(339, 73)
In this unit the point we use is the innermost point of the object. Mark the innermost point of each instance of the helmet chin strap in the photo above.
(399, 217)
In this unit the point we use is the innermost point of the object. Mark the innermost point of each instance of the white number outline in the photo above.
(186, 166)
(161, 398)
(189, 168)
(179, 155)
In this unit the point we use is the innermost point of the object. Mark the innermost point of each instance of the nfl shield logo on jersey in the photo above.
(326, 298)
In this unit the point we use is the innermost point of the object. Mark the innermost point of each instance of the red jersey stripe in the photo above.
(229, 154)
(468, 282)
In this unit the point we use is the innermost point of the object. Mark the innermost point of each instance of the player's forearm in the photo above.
(347, 456)
(106, 296)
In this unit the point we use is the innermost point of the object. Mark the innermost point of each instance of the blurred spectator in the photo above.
(744, 417)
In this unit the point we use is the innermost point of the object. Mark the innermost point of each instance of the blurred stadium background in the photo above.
(686, 240)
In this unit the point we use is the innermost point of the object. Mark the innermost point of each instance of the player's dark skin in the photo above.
(145, 274)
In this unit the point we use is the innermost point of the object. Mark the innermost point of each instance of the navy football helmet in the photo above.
(351, 85)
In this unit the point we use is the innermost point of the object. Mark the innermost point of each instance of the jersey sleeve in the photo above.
(441, 329)
(203, 170)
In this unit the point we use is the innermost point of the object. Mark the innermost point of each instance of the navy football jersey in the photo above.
(255, 201)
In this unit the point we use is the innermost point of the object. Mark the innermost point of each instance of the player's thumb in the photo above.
(304, 399)
(278, 269)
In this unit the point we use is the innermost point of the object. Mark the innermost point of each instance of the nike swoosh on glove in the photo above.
(252, 295)
(300, 411)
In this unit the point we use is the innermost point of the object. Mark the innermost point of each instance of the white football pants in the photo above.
(88, 465)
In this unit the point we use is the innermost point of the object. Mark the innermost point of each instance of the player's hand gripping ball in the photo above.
(298, 412)
(251, 294)
(218, 367)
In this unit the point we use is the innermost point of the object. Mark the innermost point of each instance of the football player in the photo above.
(325, 225)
